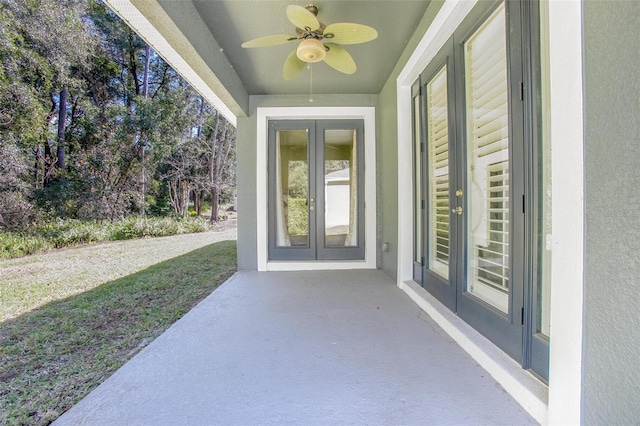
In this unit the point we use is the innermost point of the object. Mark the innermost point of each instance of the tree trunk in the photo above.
(179, 196)
(37, 152)
(172, 196)
(62, 123)
(143, 177)
(215, 204)
(219, 153)
(198, 201)
(145, 94)
(133, 63)
(213, 190)
(186, 189)
(48, 161)
(200, 115)
(145, 80)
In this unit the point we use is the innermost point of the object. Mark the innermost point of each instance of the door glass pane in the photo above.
(340, 189)
(488, 162)
(292, 193)
(544, 285)
(417, 183)
(438, 151)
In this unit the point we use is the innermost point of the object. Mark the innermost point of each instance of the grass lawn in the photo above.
(70, 318)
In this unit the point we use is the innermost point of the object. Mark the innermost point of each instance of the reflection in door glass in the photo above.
(488, 162)
(340, 189)
(292, 183)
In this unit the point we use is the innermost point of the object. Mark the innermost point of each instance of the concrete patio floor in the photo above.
(307, 348)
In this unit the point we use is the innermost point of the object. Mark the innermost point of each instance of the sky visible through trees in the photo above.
(95, 125)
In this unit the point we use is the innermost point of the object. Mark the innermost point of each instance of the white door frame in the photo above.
(367, 114)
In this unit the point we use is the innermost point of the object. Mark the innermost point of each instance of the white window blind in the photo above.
(438, 152)
(488, 161)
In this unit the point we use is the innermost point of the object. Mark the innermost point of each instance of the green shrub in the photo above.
(198, 224)
(298, 216)
(17, 244)
(71, 232)
(137, 227)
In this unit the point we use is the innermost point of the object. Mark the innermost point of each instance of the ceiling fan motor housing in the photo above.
(312, 8)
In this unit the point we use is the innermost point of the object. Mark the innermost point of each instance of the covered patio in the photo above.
(320, 347)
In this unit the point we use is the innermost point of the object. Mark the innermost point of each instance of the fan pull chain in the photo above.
(310, 81)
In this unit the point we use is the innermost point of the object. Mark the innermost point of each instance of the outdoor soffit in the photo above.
(229, 23)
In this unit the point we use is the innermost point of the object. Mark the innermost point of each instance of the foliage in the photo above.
(53, 356)
(70, 232)
(298, 216)
(17, 244)
(91, 119)
(298, 179)
(15, 205)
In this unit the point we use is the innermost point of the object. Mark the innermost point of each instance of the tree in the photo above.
(183, 168)
(44, 46)
(57, 33)
(202, 167)
(221, 141)
(94, 124)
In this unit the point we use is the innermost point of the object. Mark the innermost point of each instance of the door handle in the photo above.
(457, 210)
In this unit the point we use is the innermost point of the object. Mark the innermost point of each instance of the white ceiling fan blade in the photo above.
(339, 59)
(302, 18)
(292, 66)
(272, 40)
(348, 33)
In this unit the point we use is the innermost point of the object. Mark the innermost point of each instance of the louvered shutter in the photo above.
(488, 161)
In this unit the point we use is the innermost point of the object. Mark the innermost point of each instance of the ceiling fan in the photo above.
(312, 34)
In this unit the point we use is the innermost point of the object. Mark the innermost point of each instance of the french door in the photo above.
(470, 169)
(316, 190)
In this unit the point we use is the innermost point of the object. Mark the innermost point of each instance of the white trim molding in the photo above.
(367, 114)
(567, 214)
(563, 404)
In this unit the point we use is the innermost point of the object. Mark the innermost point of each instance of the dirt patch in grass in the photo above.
(54, 355)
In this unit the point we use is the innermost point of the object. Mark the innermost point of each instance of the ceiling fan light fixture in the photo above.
(311, 32)
(311, 50)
